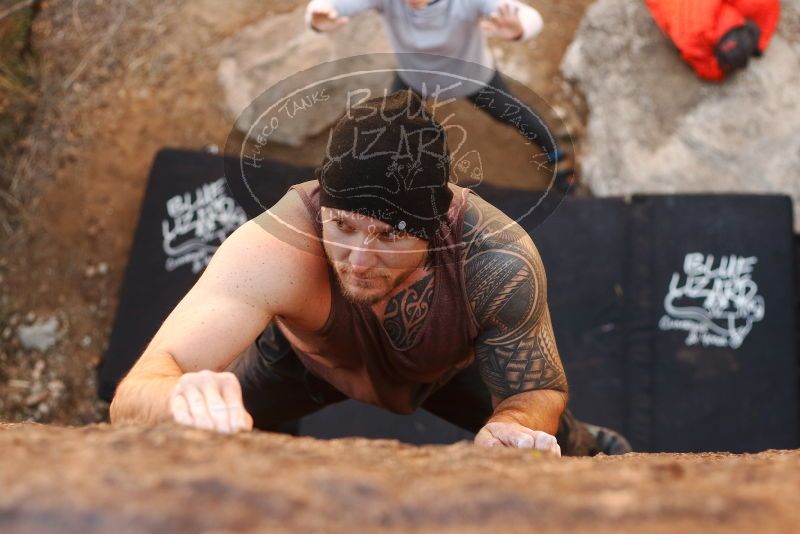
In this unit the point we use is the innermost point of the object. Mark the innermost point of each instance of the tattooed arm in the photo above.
(515, 350)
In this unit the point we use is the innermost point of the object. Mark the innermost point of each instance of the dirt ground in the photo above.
(115, 81)
(165, 479)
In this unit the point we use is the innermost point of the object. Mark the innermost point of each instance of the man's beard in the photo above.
(358, 298)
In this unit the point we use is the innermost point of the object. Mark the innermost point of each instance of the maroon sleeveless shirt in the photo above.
(353, 351)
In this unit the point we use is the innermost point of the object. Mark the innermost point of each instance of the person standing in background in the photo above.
(449, 36)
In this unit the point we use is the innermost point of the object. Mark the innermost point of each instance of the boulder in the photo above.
(279, 46)
(654, 127)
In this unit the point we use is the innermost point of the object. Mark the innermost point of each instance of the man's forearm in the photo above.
(143, 396)
(537, 410)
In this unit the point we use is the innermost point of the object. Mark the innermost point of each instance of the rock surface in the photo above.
(167, 479)
(278, 47)
(654, 127)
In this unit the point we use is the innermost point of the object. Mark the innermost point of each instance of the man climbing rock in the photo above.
(379, 281)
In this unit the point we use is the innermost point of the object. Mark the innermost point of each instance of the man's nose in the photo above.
(362, 258)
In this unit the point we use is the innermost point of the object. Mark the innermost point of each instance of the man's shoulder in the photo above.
(487, 227)
(502, 268)
(275, 257)
(287, 224)
(289, 220)
(284, 237)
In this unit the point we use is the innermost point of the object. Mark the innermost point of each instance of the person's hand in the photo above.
(518, 436)
(210, 401)
(504, 24)
(737, 46)
(326, 20)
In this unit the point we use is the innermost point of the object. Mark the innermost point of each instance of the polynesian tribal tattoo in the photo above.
(405, 313)
(506, 287)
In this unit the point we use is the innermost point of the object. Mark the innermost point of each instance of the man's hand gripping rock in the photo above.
(210, 401)
(507, 434)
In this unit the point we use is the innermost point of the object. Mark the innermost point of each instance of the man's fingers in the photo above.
(523, 441)
(511, 436)
(216, 406)
(542, 440)
(197, 407)
(180, 410)
(546, 442)
(488, 442)
(231, 392)
(248, 422)
(485, 438)
(518, 436)
(210, 401)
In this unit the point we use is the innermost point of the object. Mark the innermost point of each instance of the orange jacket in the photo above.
(696, 26)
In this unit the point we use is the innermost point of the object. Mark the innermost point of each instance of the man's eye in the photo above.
(341, 225)
(388, 236)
